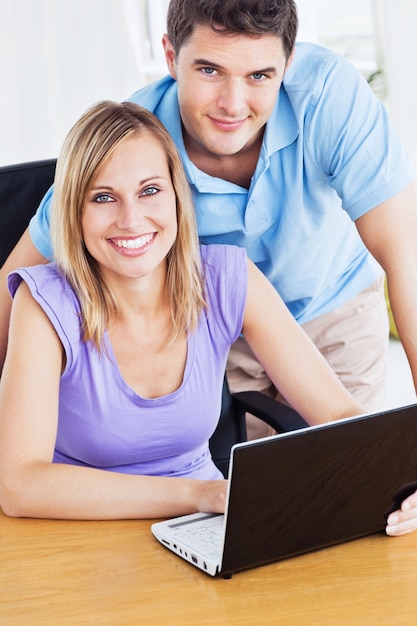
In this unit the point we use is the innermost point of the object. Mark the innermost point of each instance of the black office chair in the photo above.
(22, 186)
(231, 428)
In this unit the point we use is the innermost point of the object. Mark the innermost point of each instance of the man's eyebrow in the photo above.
(265, 70)
(204, 62)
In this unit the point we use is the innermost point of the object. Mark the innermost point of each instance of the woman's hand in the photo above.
(211, 495)
(404, 519)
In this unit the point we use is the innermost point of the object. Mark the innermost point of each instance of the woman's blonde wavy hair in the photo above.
(89, 144)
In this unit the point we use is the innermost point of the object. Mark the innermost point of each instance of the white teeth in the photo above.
(132, 244)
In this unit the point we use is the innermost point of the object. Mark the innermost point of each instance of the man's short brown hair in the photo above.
(248, 17)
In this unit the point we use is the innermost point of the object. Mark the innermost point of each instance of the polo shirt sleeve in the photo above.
(352, 141)
(39, 226)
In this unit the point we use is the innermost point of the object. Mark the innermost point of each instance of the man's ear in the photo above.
(169, 55)
(290, 59)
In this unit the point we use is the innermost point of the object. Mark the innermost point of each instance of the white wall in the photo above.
(57, 57)
(308, 29)
(399, 22)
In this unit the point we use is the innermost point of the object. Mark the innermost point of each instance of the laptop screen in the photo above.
(311, 488)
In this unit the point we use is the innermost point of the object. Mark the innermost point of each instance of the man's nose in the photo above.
(232, 98)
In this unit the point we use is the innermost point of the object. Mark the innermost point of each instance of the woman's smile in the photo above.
(133, 244)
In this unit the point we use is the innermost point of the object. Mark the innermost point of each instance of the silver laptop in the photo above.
(302, 490)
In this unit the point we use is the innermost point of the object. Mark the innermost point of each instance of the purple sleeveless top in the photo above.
(102, 422)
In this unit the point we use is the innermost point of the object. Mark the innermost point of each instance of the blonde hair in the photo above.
(89, 144)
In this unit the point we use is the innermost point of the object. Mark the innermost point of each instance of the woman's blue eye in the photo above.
(150, 191)
(103, 197)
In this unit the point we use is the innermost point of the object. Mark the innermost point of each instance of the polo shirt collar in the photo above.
(281, 128)
(169, 114)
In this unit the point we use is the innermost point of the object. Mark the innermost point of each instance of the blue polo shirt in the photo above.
(328, 156)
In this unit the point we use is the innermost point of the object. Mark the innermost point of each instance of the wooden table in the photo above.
(115, 573)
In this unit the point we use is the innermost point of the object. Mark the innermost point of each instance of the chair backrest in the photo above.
(22, 187)
(231, 429)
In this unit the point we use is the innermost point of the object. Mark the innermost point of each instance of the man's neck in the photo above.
(237, 168)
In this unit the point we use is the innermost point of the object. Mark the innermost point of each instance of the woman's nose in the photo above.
(131, 214)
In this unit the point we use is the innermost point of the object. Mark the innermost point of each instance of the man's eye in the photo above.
(103, 197)
(258, 76)
(150, 191)
(209, 71)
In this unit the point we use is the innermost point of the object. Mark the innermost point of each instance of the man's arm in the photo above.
(23, 254)
(389, 231)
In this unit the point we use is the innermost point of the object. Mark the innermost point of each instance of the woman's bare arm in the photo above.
(24, 254)
(30, 484)
(290, 358)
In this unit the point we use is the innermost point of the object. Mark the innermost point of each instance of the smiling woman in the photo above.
(126, 208)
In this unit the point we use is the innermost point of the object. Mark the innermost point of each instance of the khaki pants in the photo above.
(353, 339)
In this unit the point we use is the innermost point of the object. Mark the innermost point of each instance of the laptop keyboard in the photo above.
(205, 537)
